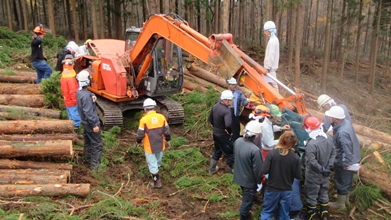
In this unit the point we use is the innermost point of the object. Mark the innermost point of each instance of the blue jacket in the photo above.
(346, 144)
(239, 99)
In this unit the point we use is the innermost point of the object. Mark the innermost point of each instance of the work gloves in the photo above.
(326, 171)
(250, 106)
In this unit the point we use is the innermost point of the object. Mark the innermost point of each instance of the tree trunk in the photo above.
(26, 177)
(108, 13)
(364, 49)
(56, 149)
(52, 25)
(18, 164)
(192, 86)
(153, 6)
(16, 17)
(241, 21)
(36, 127)
(217, 16)
(17, 79)
(374, 46)
(50, 113)
(27, 89)
(291, 38)
(35, 101)
(74, 18)
(20, 116)
(69, 16)
(376, 178)
(9, 15)
(299, 31)
(101, 20)
(203, 82)
(315, 32)
(81, 190)
(117, 19)
(94, 23)
(25, 15)
(166, 6)
(342, 40)
(40, 137)
(225, 20)
(326, 46)
(85, 19)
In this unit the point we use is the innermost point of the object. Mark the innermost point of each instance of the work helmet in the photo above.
(275, 110)
(268, 25)
(227, 94)
(68, 60)
(149, 103)
(73, 47)
(323, 99)
(232, 81)
(39, 29)
(87, 41)
(311, 123)
(261, 110)
(83, 76)
(336, 112)
(254, 127)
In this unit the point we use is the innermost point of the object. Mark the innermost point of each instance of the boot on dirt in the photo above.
(213, 167)
(324, 211)
(157, 183)
(340, 203)
(231, 169)
(311, 212)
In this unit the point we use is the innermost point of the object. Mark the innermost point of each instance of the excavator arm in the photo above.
(218, 50)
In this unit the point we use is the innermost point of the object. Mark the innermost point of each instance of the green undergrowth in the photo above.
(365, 196)
(51, 90)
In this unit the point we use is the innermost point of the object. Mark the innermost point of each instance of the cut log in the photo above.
(20, 116)
(35, 101)
(22, 88)
(20, 73)
(192, 86)
(36, 127)
(29, 176)
(41, 137)
(17, 79)
(81, 190)
(203, 82)
(56, 149)
(18, 164)
(50, 113)
(376, 178)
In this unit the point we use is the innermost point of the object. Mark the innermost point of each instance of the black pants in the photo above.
(92, 146)
(223, 145)
(235, 127)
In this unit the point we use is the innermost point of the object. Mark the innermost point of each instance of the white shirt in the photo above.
(268, 130)
(272, 54)
(82, 51)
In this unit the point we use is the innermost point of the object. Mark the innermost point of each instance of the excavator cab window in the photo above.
(131, 36)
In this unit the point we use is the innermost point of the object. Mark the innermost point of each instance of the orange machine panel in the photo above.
(97, 81)
(113, 75)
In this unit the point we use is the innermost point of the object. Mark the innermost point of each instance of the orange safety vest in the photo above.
(153, 124)
(69, 85)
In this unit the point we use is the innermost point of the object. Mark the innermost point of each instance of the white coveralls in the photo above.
(272, 57)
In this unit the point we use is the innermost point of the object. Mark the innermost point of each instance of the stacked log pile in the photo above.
(29, 136)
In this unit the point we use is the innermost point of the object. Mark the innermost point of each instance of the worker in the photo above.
(282, 165)
(221, 120)
(71, 49)
(69, 87)
(272, 53)
(90, 121)
(325, 103)
(268, 129)
(347, 154)
(154, 131)
(37, 57)
(238, 101)
(248, 166)
(83, 50)
(319, 158)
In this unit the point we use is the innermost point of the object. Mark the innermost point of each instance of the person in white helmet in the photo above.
(347, 154)
(248, 166)
(71, 48)
(325, 103)
(221, 119)
(154, 132)
(272, 53)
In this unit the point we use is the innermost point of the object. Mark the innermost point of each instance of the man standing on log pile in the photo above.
(37, 58)
(221, 119)
(272, 53)
(325, 103)
(90, 120)
(347, 154)
(153, 130)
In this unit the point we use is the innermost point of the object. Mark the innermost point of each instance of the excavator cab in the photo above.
(131, 36)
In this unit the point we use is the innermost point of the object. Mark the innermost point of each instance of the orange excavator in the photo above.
(151, 66)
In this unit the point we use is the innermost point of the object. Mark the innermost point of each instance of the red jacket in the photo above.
(69, 86)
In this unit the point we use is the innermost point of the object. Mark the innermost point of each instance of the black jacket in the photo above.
(221, 119)
(36, 50)
(60, 57)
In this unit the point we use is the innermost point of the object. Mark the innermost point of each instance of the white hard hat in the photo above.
(254, 127)
(149, 103)
(323, 99)
(336, 112)
(73, 47)
(232, 81)
(83, 76)
(227, 94)
(268, 25)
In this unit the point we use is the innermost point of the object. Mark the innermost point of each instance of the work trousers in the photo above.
(43, 70)
(235, 126)
(154, 161)
(316, 188)
(274, 200)
(223, 145)
(92, 146)
(73, 114)
(248, 195)
(343, 180)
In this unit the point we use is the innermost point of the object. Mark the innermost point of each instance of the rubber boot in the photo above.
(311, 212)
(213, 167)
(157, 183)
(347, 202)
(340, 203)
(231, 169)
(324, 211)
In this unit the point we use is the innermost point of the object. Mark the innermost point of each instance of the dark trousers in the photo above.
(235, 127)
(248, 195)
(92, 146)
(223, 145)
(343, 180)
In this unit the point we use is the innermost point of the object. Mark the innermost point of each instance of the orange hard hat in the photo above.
(39, 29)
(261, 110)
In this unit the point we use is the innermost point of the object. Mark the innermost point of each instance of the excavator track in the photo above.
(110, 113)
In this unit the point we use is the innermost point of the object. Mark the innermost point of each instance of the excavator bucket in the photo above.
(227, 61)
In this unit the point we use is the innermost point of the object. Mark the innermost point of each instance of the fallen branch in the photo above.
(111, 197)
(122, 185)
(79, 208)
(351, 214)
(375, 213)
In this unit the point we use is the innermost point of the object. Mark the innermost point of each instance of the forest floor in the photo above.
(126, 180)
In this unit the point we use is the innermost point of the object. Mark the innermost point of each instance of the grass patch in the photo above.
(113, 209)
(7, 71)
(51, 89)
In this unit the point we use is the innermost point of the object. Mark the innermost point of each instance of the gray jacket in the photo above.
(248, 163)
(346, 144)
